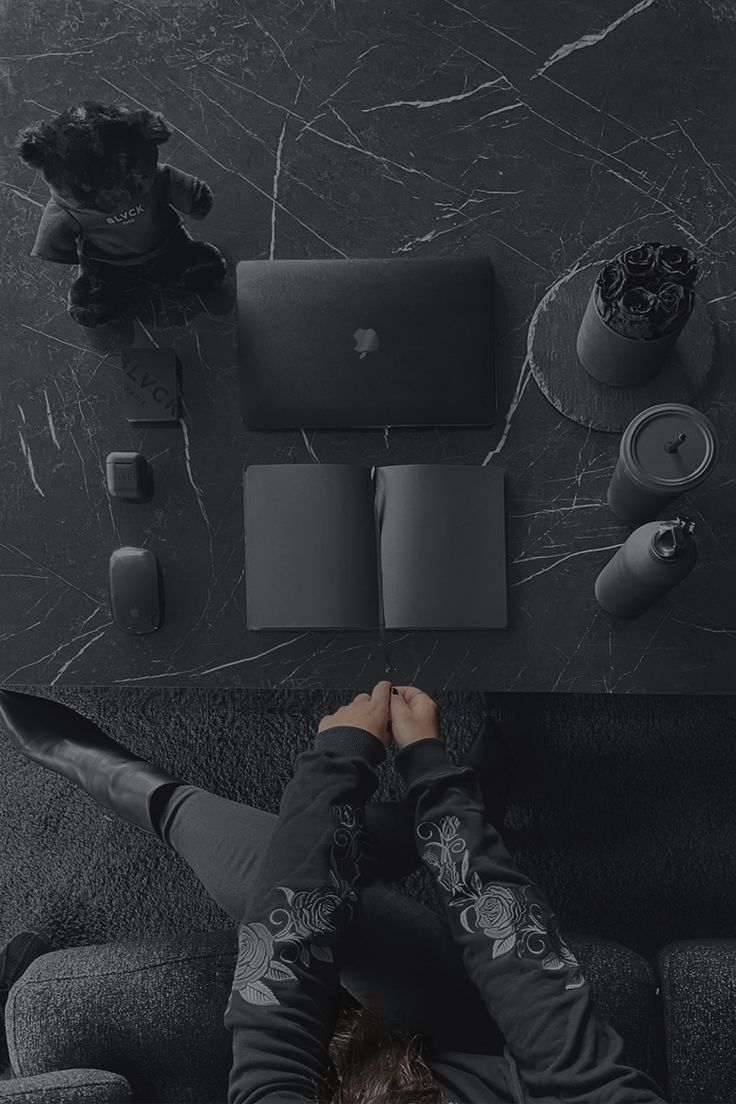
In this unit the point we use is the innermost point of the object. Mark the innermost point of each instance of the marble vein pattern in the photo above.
(546, 141)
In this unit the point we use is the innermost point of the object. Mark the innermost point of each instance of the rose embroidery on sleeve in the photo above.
(507, 915)
(307, 925)
(256, 962)
(499, 914)
(313, 919)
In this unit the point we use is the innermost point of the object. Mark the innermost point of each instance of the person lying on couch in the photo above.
(494, 1007)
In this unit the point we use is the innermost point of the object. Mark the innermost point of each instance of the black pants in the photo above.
(400, 958)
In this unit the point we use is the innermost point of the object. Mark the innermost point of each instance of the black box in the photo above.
(151, 377)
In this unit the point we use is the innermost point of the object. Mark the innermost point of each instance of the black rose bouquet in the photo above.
(647, 291)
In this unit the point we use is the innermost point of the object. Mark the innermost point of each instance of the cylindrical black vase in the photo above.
(616, 360)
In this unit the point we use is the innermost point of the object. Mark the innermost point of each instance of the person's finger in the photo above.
(408, 693)
(381, 690)
(380, 696)
(362, 697)
(397, 702)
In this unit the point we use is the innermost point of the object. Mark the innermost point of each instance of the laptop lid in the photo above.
(366, 343)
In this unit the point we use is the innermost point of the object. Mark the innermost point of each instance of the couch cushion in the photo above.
(698, 979)
(624, 990)
(151, 1011)
(68, 1086)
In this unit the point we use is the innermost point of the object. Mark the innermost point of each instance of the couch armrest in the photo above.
(151, 1010)
(624, 989)
(68, 1086)
(698, 979)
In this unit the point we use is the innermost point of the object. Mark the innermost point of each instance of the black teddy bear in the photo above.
(113, 208)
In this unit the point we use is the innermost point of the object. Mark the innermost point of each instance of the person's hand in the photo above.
(203, 200)
(414, 716)
(369, 711)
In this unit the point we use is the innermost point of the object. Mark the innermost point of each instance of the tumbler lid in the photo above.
(670, 448)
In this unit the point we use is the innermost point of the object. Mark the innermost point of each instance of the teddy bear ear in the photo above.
(152, 125)
(34, 144)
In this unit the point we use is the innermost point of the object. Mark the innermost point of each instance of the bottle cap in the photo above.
(669, 448)
(672, 538)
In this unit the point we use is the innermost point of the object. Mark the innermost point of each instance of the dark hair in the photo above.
(370, 1063)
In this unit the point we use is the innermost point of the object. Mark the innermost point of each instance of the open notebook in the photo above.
(417, 546)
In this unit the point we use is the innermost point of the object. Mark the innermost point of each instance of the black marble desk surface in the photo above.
(544, 139)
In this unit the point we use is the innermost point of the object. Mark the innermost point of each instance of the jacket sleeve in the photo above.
(180, 189)
(285, 995)
(511, 945)
(56, 237)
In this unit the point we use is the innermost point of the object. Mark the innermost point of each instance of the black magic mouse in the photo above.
(135, 590)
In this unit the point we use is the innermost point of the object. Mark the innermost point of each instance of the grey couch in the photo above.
(143, 1021)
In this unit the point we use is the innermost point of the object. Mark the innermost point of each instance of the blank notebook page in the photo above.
(310, 547)
(442, 546)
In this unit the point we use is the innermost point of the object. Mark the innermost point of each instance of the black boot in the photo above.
(63, 741)
(491, 756)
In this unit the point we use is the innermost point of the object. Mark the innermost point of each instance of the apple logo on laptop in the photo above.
(366, 341)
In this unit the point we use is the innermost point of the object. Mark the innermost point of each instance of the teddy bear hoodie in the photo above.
(136, 235)
(285, 994)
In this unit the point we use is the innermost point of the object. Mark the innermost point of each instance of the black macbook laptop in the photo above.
(366, 343)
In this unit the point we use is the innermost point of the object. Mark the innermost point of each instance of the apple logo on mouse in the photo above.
(366, 341)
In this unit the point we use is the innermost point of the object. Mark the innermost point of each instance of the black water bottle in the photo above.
(655, 558)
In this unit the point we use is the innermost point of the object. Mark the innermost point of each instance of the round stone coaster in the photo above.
(563, 380)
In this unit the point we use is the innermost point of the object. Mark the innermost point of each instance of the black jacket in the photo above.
(285, 997)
